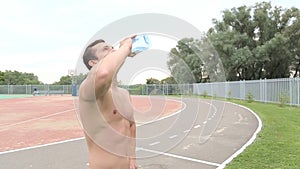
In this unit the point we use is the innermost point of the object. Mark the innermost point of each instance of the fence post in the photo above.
(240, 83)
(242, 90)
(167, 89)
(265, 90)
(147, 89)
(226, 90)
(260, 91)
(290, 91)
(298, 88)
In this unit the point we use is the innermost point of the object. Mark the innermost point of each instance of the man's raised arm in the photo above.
(110, 65)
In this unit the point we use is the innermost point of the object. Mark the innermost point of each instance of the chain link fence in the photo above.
(265, 90)
(29, 89)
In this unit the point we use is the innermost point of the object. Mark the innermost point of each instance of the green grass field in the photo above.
(9, 96)
(277, 146)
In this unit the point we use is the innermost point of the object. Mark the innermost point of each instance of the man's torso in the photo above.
(106, 122)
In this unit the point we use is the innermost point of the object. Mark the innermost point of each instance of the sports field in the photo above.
(44, 132)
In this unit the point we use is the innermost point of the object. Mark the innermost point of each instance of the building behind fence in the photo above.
(266, 90)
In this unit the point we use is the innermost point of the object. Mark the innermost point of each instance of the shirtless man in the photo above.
(105, 110)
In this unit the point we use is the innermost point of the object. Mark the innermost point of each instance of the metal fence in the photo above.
(28, 89)
(160, 89)
(266, 90)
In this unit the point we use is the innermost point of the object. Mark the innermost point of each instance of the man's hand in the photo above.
(132, 54)
(128, 43)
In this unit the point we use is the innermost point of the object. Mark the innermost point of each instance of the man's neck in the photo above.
(114, 82)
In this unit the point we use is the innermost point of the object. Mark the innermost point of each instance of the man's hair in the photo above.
(89, 53)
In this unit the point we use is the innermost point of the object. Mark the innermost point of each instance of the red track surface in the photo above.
(33, 121)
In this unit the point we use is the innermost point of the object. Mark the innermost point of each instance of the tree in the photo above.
(253, 42)
(194, 61)
(2, 78)
(152, 81)
(293, 34)
(184, 64)
(30, 78)
(64, 80)
(17, 78)
(168, 80)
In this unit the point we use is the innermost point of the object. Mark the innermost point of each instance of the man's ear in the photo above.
(92, 62)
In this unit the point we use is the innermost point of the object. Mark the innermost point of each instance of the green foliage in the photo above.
(249, 97)
(215, 96)
(277, 145)
(283, 99)
(229, 94)
(152, 81)
(64, 80)
(258, 42)
(168, 80)
(2, 78)
(135, 89)
(185, 64)
(204, 94)
(17, 78)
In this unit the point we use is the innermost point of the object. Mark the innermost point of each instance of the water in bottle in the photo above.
(140, 43)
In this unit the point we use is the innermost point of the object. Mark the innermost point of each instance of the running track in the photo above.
(236, 128)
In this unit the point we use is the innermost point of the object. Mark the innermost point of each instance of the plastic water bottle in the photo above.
(140, 43)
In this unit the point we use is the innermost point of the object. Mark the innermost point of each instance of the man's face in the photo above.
(102, 50)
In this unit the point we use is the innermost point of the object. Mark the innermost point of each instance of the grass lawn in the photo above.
(278, 143)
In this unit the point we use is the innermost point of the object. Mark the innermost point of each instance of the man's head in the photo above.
(95, 52)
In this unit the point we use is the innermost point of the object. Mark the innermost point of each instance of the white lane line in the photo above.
(80, 138)
(186, 131)
(154, 143)
(181, 157)
(165, 117)
(250, 141)
(174, 136)
(197, 126)
(204, 122)
(40, 146)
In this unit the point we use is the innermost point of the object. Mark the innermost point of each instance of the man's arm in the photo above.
(110, 65)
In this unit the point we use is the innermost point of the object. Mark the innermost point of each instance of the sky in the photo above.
(47, 37)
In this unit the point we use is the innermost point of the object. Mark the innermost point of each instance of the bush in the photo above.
(283, 99)
(204, 94)
(215, 96)
(229, 95)
(249, 97)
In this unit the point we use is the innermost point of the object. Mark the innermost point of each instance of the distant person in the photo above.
(105, 109)
(35, 91)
